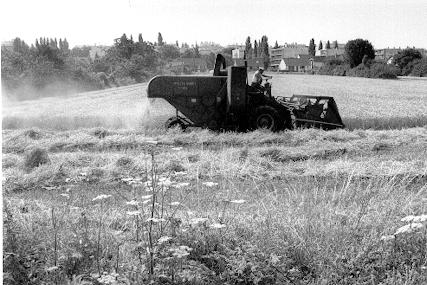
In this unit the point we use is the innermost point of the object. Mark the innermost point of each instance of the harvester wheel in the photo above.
(266, 117)
(175, 124)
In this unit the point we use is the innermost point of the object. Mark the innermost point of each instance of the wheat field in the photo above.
(96, 192)
(363, 103)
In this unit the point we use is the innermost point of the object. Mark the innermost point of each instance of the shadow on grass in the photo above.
(63, 123)
(385, 123)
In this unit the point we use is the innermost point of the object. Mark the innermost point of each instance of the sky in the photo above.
(385, 23)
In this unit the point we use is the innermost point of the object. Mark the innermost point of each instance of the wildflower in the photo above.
(117, 233)
(181, 185)
(274, 258)
(408, 219)
(177, 148)
(408, 228)
(195, 221)
(163, 181)
(127, 179)
(174, 204)
(164, 239)
(217, 226)
(152, 142)
(77, 255)
(132, 203)
(65, 195)
(237, 201)
(155, 220)
(133, 213)
(210, 184)
(420, 219)
(146, 197)
(181, 251)
(388, 237)
(53, 268)
(180, 173)
(101, 197)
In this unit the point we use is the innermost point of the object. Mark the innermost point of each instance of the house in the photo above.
(287, 51)
(206, 48)
(187, 65)
(238, 53)
(330, 52)
(386, 54)
(294, 65)
(252, 63)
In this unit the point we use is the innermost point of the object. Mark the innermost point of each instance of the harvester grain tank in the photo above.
(225, 101)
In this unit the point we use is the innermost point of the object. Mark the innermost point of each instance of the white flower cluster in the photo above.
(180, 251)
(101, 197)
(415, 223)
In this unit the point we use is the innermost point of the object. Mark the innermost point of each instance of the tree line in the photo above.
(49, 67)
(260, 49)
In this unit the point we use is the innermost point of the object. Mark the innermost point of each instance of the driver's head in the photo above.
(261, 69)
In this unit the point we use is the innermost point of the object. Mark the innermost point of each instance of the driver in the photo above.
(257, 79)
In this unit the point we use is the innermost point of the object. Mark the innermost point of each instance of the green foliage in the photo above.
(255, 48)
(248, 47)
(328, 45)
(334, 67)
(356, 49)
(406, 60)
(420, 68)
(384, 71)
(320, 45)
(160, 40)
(35, 158)
(335, 44)
(265, 53)
(312, 48)
(168, 52)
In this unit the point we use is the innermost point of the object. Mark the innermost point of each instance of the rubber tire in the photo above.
(266, 117)
(175, 124)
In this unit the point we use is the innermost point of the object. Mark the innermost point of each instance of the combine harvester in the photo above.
(225, 101)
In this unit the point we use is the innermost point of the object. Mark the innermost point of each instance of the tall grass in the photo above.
(302, 207)
(177, 227)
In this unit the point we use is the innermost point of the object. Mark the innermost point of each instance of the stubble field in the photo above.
(121, 200)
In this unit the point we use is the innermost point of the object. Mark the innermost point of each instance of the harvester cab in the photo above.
(225, 101)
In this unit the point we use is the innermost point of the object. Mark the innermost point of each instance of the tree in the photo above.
(276, 45)
(140, 39)
(248, 47)
(177, 44)
(320, 45)
(66, 47)
(328, 45)
(312, 48)
(265, 53)
(196, 51)
(255, 48)
(168, 52)
(356, 49)
(405, 60)
(335, 44)
(160, 40)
